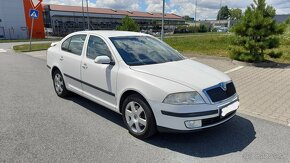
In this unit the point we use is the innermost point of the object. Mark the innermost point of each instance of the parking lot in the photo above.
(37, 126)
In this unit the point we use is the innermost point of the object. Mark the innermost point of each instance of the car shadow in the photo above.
(233, 136)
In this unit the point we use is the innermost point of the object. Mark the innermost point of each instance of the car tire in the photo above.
(59, 84)
(138, 117)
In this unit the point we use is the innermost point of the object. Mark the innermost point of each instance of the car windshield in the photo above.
(144, 50)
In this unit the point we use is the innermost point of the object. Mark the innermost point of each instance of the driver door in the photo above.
(99, 80)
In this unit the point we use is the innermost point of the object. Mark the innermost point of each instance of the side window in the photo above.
(97, 47)
(76, 44)
(65, 44)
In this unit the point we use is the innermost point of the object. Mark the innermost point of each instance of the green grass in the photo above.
(194, 34)
(34, 47)
(27, 40)
(218, 45)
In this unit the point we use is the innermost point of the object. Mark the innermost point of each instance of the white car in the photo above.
(153, 86)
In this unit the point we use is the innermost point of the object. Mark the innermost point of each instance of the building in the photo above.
(281, 18)
(15, 21)
(60, 20)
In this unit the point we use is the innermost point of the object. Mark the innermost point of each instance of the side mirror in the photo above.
(102, 60)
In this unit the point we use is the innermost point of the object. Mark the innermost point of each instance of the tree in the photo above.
(187, 18)
(128, 24)
(288, 20)
(203, 28)
(224, 13)
(256, 32)
(235, 14)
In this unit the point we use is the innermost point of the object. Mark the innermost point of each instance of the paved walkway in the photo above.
(264, 92)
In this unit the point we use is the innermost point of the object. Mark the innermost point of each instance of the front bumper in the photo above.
(172, 118)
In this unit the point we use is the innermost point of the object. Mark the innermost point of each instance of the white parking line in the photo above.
(234, 69)
(2, 51)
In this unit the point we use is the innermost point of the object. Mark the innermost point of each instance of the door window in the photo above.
(65, 44)
(74, 44)
(97, 47)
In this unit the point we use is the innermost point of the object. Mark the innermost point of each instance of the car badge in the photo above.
(223, 86)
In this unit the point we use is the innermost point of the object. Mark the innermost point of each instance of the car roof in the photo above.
(112, 33)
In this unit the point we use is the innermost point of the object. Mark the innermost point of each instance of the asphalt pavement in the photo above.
(38, 126)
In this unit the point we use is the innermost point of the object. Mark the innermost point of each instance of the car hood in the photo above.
(186, 72)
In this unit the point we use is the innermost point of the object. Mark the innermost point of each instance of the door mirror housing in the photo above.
(103, 60)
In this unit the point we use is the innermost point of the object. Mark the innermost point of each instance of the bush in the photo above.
(214, 30)
(241, 55)
(203, 28)
(273, 42)
(191, 29)
(288, 20)
(273, 54)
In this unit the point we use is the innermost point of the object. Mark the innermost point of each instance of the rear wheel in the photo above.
(59, 85)
(138, 117)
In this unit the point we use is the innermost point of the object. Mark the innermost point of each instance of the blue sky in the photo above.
(206, 9)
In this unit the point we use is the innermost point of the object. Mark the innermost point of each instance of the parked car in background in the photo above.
(153, 86)
(222, 29)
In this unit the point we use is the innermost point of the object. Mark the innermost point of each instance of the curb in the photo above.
(267, 64)
(262, 64)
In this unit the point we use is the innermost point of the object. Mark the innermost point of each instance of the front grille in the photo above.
(211, 121)
(218, 94)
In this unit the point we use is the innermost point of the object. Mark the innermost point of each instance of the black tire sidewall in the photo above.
(150, 128)
(64, 91)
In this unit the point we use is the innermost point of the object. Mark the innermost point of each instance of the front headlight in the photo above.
(185, 98)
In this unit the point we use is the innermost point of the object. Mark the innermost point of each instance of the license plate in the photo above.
(232, 107)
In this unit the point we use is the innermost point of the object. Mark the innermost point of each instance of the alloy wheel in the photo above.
(135, 117)
(58, 83)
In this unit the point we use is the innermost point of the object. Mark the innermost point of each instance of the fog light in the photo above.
(193, 123)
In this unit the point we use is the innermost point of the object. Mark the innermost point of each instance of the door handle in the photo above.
(85, 66)
(61, 58)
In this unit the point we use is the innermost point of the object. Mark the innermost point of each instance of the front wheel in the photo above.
(138, 117)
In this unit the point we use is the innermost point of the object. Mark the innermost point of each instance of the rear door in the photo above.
(70, 58)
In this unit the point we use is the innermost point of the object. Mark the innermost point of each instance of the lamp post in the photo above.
(162, 28)
(83, 14)
(219, 14)
(88, 14)
(195, 14)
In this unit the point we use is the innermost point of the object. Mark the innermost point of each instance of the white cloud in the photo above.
(64, 2)
(154, 5)
(114, 4)
(206, 9)
(119, 4)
